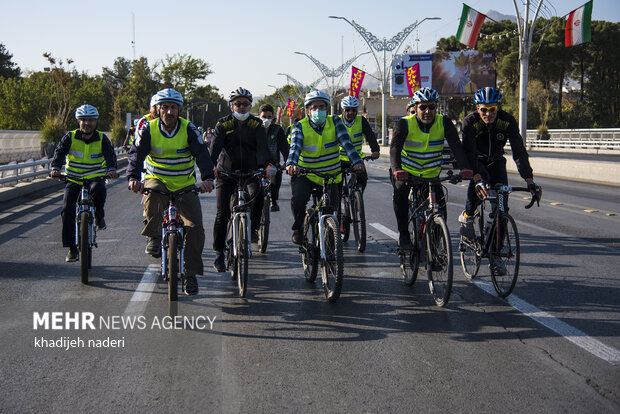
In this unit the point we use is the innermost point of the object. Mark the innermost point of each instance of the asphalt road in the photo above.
(553, 346)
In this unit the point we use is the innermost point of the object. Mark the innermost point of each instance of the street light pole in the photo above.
(384, 46)
(302, 89)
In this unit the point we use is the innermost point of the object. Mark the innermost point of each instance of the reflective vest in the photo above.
(85, 160)
(355, 132)
(422, 154)
(170, 160)
(320, 152)
(148, 117)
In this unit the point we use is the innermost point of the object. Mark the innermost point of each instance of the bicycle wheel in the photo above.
(333, 267)
(410, 260)
(263, 230)
(84, 246)
(231, 260)
(243, 253)
(310, 249)
(173, 266)
(439, 264)
(471, 251)
(358, 216)
(504, 256)
(345, 217)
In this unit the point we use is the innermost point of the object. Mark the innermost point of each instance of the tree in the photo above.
(182, 72)
(8, 69)
(142, 84)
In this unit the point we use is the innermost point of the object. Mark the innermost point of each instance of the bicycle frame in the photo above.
(85, 203)
(321, 212)
(172, 224)
(240, 210)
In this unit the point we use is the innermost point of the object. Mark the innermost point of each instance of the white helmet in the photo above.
(168, 95)
(153, 101)
(350, 102)
(86, 111)
(240, 93)
(316, 95)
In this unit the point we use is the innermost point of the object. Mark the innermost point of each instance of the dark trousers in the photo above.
(302, 190)
(224, 190)
(275, 186)
(494, 173)
(400, 200)
(98, 193)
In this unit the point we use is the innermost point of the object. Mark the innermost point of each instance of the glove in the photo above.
(481, 189)
(535, 189)
(270, 172)
(466, 174)
(401, 175)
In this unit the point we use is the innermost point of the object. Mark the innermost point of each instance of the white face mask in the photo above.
(241, 117)
(266, 122)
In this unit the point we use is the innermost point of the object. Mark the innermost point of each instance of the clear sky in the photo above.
(246, 43)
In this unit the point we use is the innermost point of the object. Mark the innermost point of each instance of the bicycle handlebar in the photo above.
(170, 194)
(450, 176)
(502, 188)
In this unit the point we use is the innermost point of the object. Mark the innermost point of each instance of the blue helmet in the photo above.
(167, 95)
(316, 95)
(425, 94)
(487, 95)
(350, 102)
(86, 111)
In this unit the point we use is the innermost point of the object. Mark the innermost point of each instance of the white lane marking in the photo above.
(141, 296)
(574, 335)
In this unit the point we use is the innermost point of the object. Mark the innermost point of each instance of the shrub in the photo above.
(118, 133)
(52, 129)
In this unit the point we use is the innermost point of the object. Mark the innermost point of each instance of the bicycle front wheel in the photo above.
(84, 246)
(471, 251)
(439, 264)
(231, 260)
(345, 218)
(505, 255)
(173, 266)
(410, 260)
(310, 249)
(243, 253)
(263, 230)
(358, 216)
(333, 266)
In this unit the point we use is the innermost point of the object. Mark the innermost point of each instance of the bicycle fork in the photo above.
(321, 224)
(235, 227)
(172, 224)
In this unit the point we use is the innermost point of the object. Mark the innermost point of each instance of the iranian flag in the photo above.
(578, 25)
(470, 25)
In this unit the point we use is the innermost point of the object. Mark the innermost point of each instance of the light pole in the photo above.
(332, 73)
(384, 46)
(302, 89)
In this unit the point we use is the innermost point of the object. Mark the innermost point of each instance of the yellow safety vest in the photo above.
(85, 160)
(355, 132)
(320, 152)
(422, 154)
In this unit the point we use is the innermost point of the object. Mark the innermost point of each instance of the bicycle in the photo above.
(265, 217)
(238, 231)
(497, 240)
(352, 208)
(321, 240)
(430, 237)
(172, 246)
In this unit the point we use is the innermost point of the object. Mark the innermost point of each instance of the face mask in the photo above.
(318, 116)
(266, 122)
(241, 117)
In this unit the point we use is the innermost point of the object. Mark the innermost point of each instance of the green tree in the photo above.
(8, 69)
(182, 72)
(142, 84)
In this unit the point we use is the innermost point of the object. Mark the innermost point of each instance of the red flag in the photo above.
(290, 108)
(279, 117)
(299, 113)
(413, 78)
(357, 77)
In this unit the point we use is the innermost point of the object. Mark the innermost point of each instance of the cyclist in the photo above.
(85, 153)
(239, 144)
(131, 134)
(314, 145)
(416, 149)
(276, 140)
(358, 128)
(485, 133)
(410, 107)
(170, 147)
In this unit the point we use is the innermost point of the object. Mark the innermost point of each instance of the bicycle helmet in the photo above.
(240, 93)
(316, 95)
(488, 95)
(86, 111)
(410, 104)
(153, 101)
(168, 95)
(350, 102)
(425, 94)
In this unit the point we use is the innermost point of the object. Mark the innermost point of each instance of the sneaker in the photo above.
(297, 237)
(498, 268)
(153, 246)
(404, 241)
(254, 236)
(72, 256)
(219, 264)
(190, 285)
(275, 206)
(467, 226)
(100, 224)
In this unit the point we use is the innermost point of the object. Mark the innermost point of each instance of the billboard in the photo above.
(400, 64)
(462, 73)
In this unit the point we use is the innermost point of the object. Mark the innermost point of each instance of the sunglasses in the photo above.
(350, 109)
(241, 104)
(485, 109)
(431, 107)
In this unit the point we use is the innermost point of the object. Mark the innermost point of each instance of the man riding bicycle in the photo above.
(485, 133)
(86, 154)
(276, 140)
(171, 147)
(417, 149)
(239, 144)
(315, 142)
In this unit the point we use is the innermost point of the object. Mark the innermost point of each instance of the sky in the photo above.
(245, 43)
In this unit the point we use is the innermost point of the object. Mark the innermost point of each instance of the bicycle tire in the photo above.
(231, 260)
(333, 266)
(242, 257)
(263, 230)
(471, 251)
(310, 250)
(410, 260)
(358, 215)
(439, 266)
(84, 246)
(172, 266)
(507, 255)
(345, 218)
